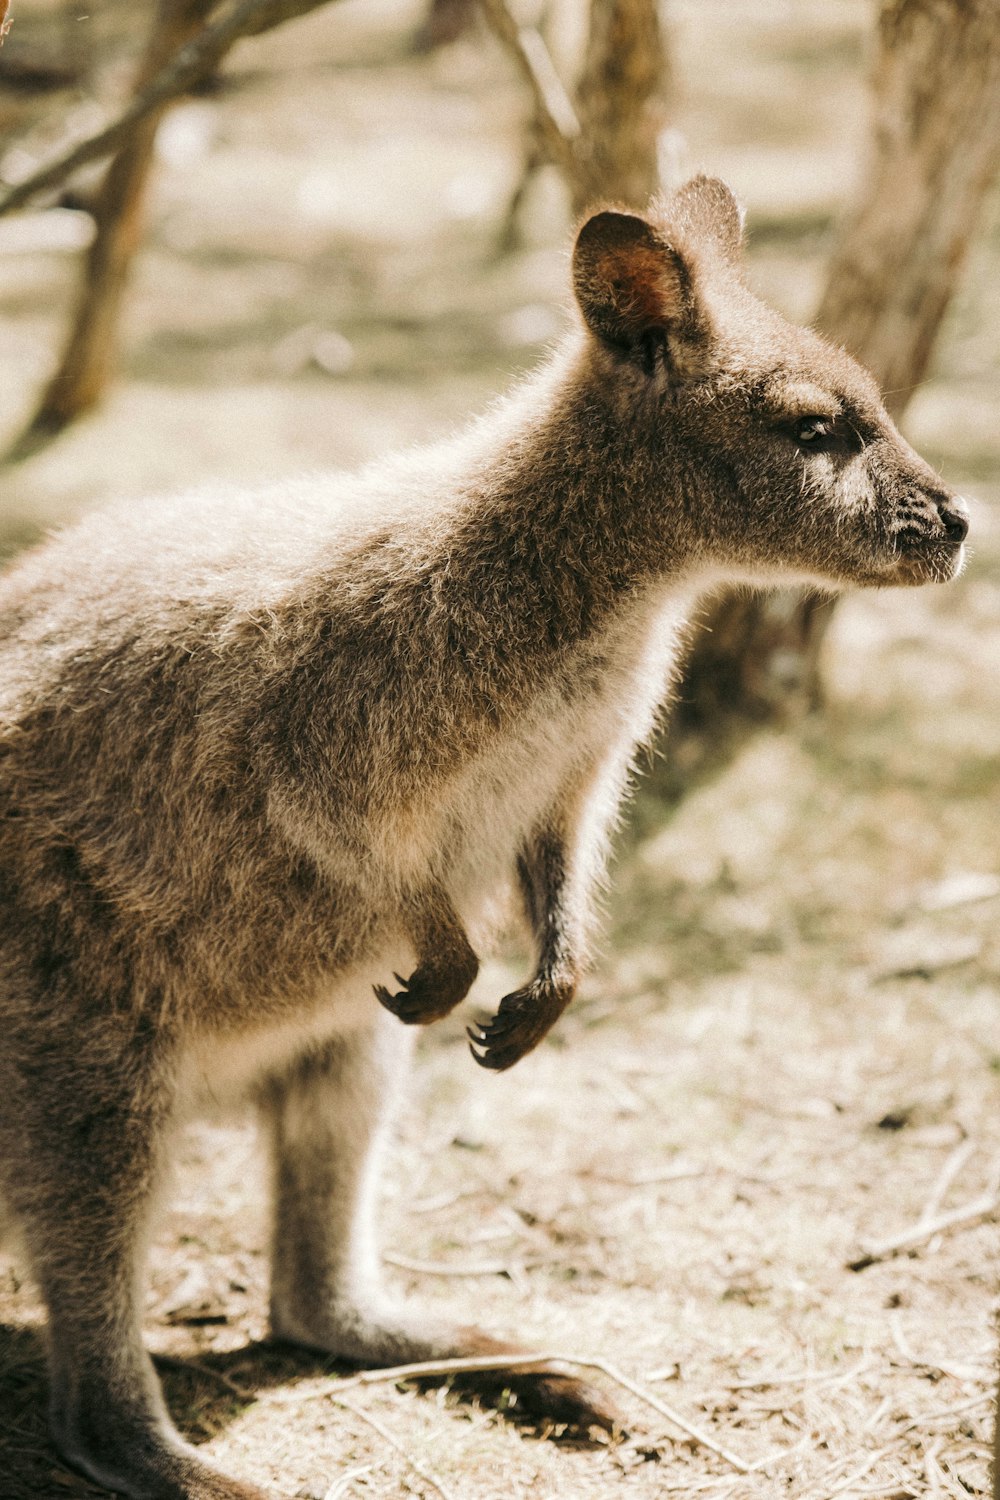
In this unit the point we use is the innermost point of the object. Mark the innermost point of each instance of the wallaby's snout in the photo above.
(954, 514)
(928, 522)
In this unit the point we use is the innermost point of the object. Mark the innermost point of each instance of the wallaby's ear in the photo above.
(632, 286)
(705, 209)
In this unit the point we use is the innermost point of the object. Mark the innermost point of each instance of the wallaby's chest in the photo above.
(588, 717)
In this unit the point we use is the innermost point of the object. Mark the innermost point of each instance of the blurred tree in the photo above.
(606, 143)
(935, 149)
(604, 139)
(619, 103)
(189, 39)
(445, 22)
(89, 356)
(46, 51)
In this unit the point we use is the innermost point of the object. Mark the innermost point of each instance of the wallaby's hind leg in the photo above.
(327, 1117)
(81, 1147)
(446, 965)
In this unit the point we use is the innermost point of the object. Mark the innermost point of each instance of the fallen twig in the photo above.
(782, 1455)
(340, 1486)
(438, 1201)
(517, 1364)
(851, 1479)
(654, 1178)
(914, 1360)
(801, 1377)
(386, 1435)
(191, 64)
(442, 1268)
(932, 1469)
(948, 1413)
(687, 1489)
(954, 1164)
(926, 1229)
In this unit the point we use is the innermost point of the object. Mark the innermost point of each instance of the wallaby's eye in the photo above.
(816, 434)
(810, 431)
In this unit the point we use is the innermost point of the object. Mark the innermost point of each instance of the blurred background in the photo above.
(347, 233)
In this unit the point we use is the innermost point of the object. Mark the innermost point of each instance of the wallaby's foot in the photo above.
(431, 991)
(521, 1021)
(555, 1400)
(149, 1466)
(540, 1394)
(398, 1338)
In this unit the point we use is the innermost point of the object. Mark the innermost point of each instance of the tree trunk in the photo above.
(444, 22)
(935, 149)
(619, 102)
(88, 360)
(607, 148)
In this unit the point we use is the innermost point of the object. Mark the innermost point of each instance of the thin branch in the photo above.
(909, 1357)
(4, 22)
(947, 1413)
(547, 82)
(517, 1364)
(851, 1479)
(956, 1161)
(554, 113)
(442, 1268)
(340, 1486)
(394, 1442)
(801, 1377)
(193, 63)
(926, 1229)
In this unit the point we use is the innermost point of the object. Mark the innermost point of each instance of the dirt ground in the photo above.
(790, 1051)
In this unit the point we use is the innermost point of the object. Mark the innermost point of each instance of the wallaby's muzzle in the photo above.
(929, 537)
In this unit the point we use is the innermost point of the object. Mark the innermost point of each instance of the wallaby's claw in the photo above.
(426, 996)
(412, 1004)
(499, 1051)
(523, 1018)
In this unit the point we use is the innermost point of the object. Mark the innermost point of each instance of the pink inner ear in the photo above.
(645, 292)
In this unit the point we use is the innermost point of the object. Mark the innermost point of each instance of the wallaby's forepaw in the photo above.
(429, 993)
(521, 1021)
(415, 1003)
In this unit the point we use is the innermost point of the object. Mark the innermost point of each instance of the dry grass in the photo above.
(790, 1051)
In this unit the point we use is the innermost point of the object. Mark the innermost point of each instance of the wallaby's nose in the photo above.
(954, 515)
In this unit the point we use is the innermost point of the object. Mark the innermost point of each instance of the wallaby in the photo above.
(259, 750)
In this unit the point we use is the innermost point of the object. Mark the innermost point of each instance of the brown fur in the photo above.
(258, 751)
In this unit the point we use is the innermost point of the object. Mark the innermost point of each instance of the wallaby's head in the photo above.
(776, 443)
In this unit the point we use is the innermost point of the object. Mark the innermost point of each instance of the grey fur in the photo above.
(258, 751)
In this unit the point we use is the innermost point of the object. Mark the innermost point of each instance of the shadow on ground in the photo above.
(203, 1394)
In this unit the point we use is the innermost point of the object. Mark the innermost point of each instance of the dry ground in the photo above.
(791, 1048)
